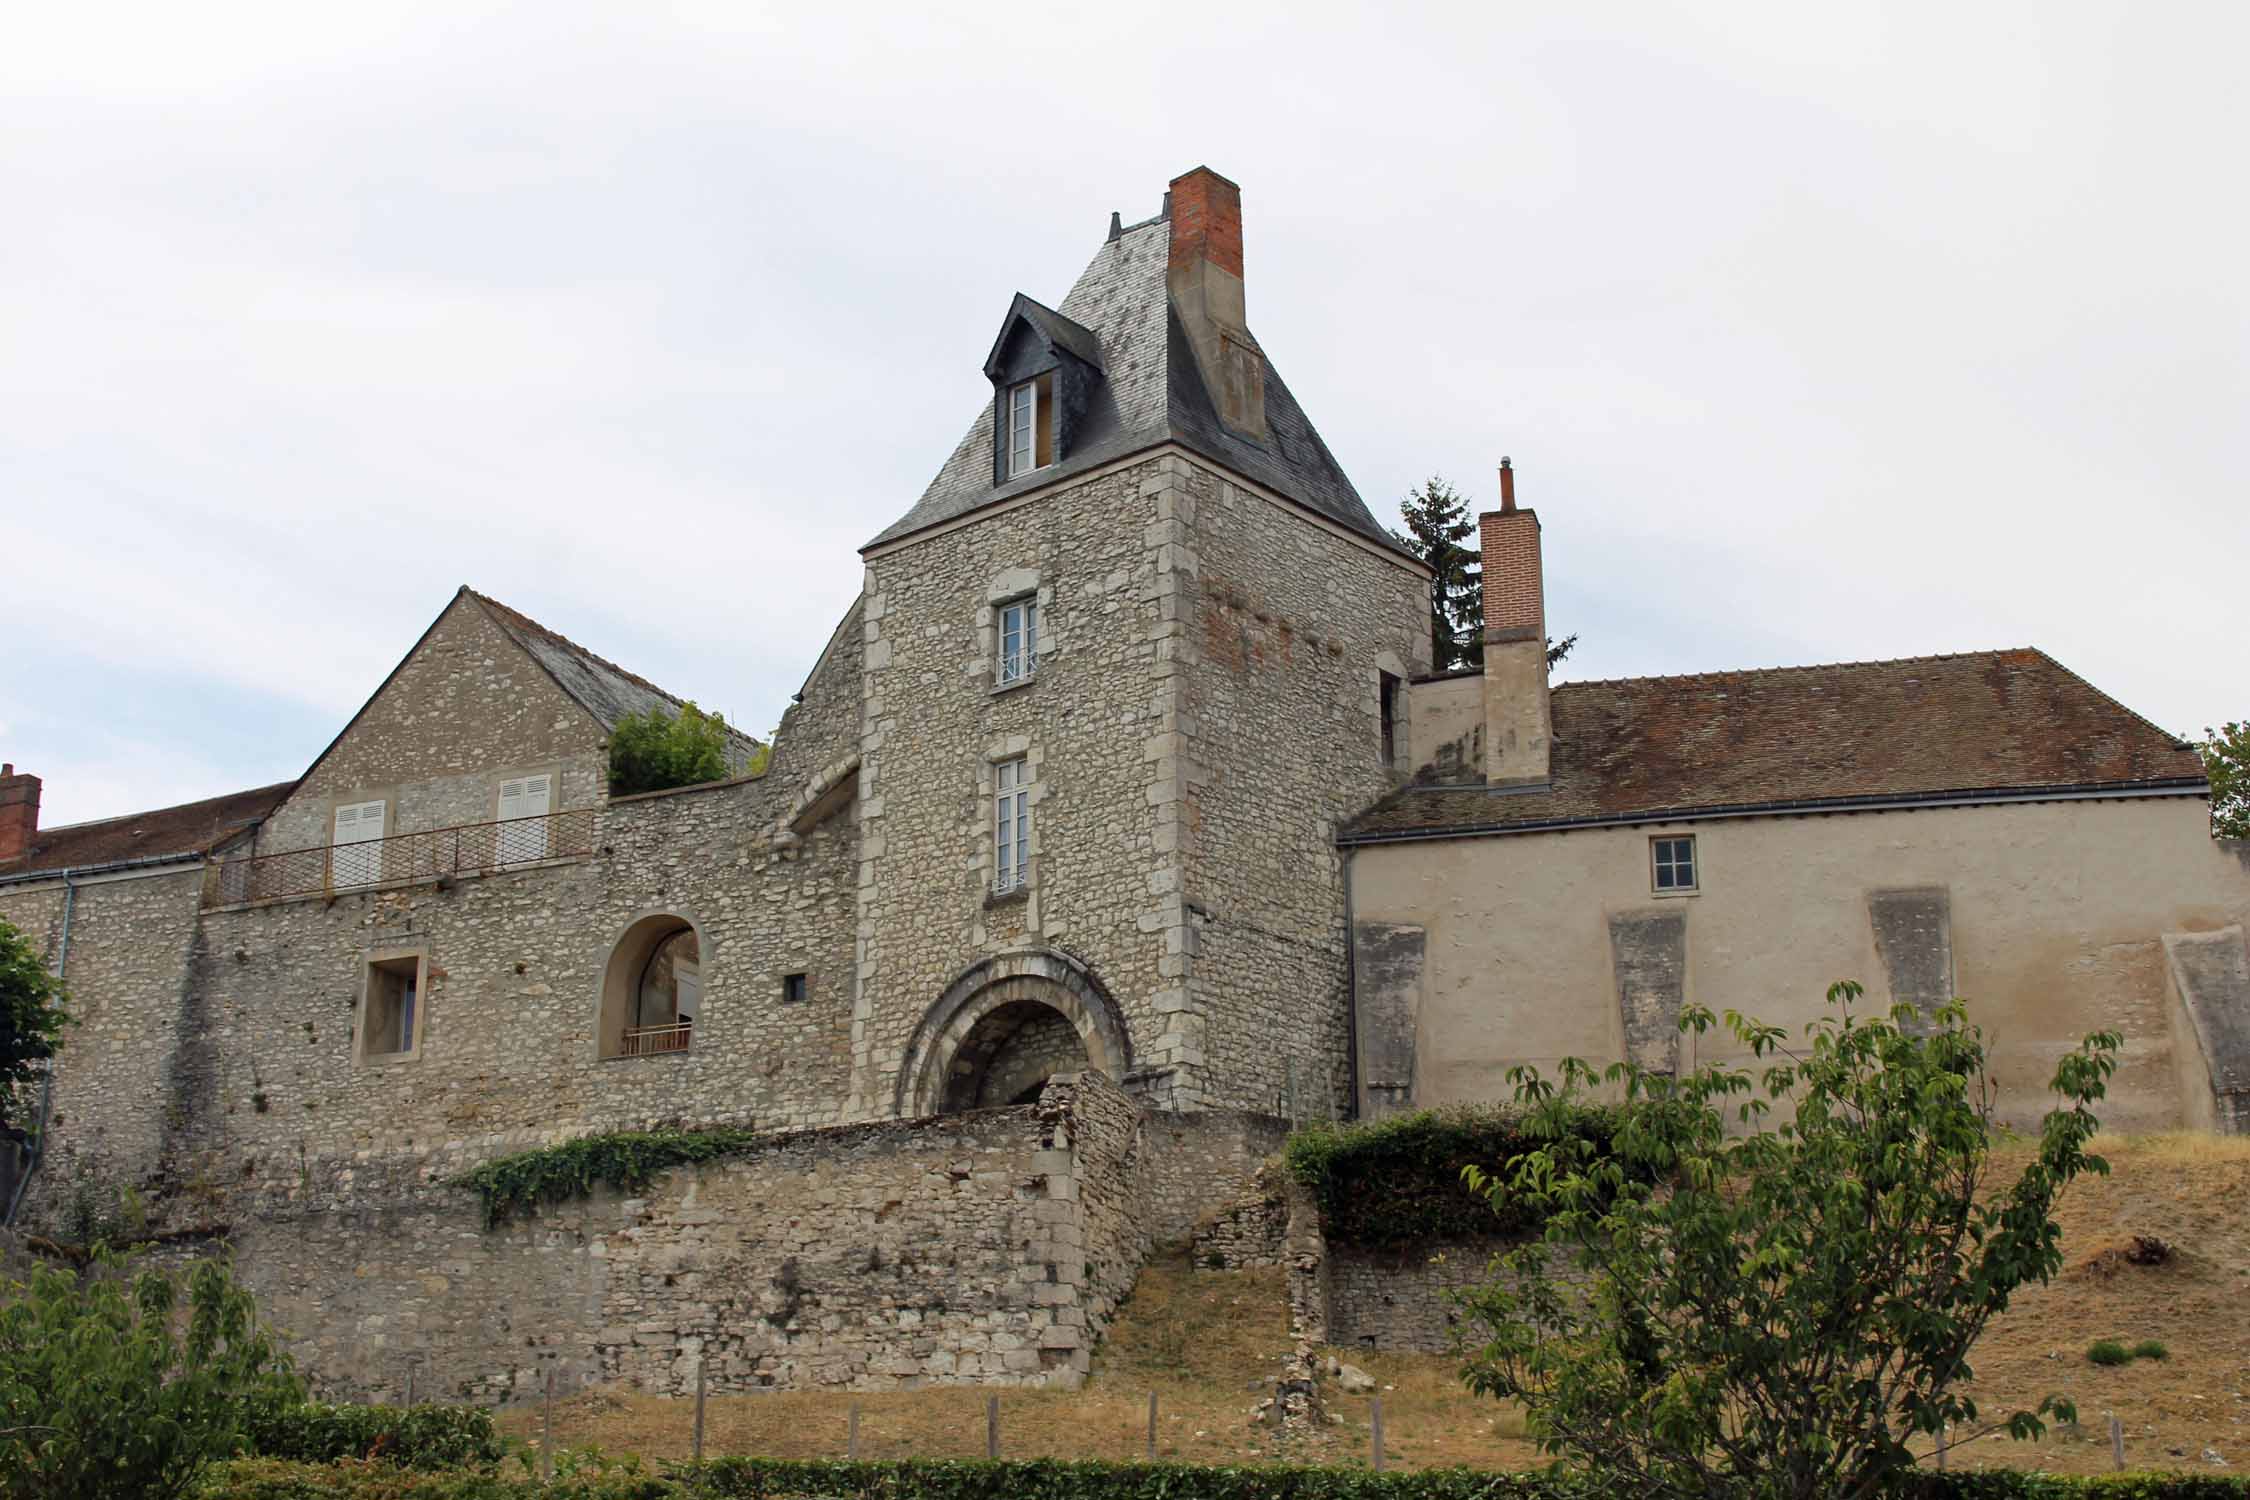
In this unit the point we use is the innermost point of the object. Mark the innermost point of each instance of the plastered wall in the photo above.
(2050, 918)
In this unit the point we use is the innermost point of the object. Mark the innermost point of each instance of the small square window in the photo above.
(390, 1014)
(1673, 863)
(792, 989)
(1019, 642)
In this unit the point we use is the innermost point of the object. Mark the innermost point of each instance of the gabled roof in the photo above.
(1152, 392)
(188, 830)
(1074, 339)
(1975, 726)
(600, 686)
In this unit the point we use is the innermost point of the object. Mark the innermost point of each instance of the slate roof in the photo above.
(600, 686)
(185, 831)
(1641, 749)
(1151, 391)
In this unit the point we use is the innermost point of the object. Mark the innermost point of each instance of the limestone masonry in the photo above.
(1119, 825)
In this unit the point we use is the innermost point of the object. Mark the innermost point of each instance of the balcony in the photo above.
(647, 1041)
(403, 859)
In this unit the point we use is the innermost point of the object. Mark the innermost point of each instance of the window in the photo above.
(792, 989)
(524, 797)
(390, 1012)
(1030, 444)
(1019, 641)
(357, 856)
(1011, 825)
(1674, 863)
(1387, 703)
(652, 990)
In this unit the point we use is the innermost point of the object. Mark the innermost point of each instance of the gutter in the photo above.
(1903, 801)
(66, 873)
(35, 1149)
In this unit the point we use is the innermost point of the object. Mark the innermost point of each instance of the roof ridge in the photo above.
(1817, 666)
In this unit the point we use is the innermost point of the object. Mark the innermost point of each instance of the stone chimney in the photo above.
(1204, 277)
(1517, 725)
(19, 813)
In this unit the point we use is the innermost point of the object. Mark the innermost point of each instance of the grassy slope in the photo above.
(1202, 1339)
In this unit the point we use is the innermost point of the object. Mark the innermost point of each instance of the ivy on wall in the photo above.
(1395, 1181)
(627, 1160)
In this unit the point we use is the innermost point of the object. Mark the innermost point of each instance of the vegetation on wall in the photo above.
(1438, 522)
(655, 751)
(1791, 1302)
(627, 1160)
(1398, 1180)
(2226, 760)
(114, 1384)
(32, 1017)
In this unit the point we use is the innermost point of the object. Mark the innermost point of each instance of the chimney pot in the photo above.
(1507, 484)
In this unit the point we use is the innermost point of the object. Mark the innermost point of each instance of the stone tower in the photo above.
(1128, 661)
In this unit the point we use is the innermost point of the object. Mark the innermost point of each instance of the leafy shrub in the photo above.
(32, 1017)
(2108, 1352)
(109, 1388)
(652, 751)
(627, 1160)
(2151, 1349)
(1398, 1180)
(424, 1436)
(783, 1479)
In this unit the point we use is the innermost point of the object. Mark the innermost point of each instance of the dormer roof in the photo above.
(1151, 392)
(1051, 327)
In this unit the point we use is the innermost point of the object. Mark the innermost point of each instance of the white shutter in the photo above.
(358, 823)
(511, 800)
(537, 796)
(526, 797)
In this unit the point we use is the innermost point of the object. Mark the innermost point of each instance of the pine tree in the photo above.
(1437, 523)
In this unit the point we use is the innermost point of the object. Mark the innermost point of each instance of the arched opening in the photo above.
(1009, 1055)
(652, 989)
(1004, 1027)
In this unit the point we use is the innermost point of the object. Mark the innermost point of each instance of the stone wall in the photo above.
(124, 1083)
(1403, 1299)
(1200, 1161)
(987, 1248)
(1292, 626)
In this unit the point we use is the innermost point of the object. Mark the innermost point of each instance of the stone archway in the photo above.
(1003, 1028)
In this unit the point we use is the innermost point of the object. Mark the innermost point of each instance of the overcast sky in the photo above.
(1816, 332)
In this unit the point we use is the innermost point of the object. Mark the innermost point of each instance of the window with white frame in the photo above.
(357, 854)
(1011, 825)
(1019, 642)
(525, 802)
(1672, 864)
(1029, 444)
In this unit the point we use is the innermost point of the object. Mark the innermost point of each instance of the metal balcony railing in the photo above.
(404, 858)
(646, 1041)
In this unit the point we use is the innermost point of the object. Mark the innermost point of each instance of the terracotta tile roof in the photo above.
(188, 829)
(1641, 748)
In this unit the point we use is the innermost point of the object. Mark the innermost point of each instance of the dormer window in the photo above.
(1031, 443)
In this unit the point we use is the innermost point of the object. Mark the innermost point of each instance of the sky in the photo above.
(1815, 333)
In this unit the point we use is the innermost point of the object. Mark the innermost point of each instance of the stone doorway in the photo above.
(1009, 1055)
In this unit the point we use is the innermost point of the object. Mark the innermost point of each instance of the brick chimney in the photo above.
(1517, 724)
(1204, 277)
(19, 813)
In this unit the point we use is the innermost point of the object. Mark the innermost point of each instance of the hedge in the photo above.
(782, 1479)
(1398, 1180)
(423, 1436)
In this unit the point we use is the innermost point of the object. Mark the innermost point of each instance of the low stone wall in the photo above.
(1247, 1233)
(1402, 1299)
(984, 1248)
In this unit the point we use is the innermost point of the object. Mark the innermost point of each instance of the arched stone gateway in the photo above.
(1006, 1026)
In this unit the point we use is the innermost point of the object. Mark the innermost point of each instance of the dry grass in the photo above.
(1202, 1340)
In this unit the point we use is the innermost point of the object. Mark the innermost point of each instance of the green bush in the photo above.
(2151, 1349)
(627, 1160)
(110, 1387)
(1044, 1479)
(423, 1436)
(1398, 1180)
(2108, 1352)
(653, 751)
